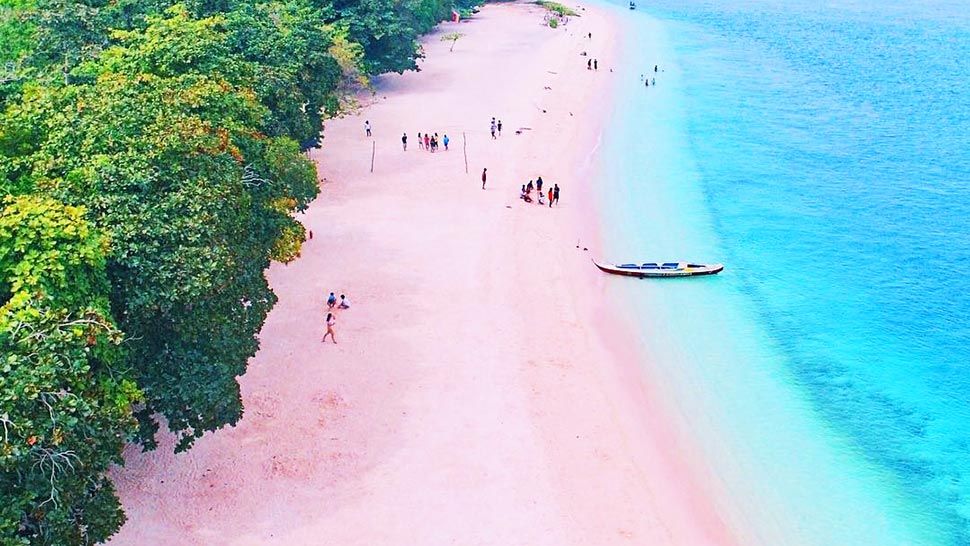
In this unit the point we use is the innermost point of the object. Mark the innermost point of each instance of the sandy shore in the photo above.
(479, 393)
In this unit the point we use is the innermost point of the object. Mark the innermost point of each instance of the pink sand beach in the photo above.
(480, 392)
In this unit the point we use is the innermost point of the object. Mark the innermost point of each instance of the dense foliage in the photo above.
(150, 162)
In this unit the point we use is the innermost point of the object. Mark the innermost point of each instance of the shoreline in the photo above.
(482, 390)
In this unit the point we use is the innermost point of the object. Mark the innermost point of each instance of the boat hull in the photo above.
(639, 273)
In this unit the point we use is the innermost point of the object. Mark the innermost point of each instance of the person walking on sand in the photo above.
(420, 142)
(331, 301)
(499, 127)
(493, 127)
(484, 176)
(367, 127)
(596, 64)
(589, 64)
(344, 302)
(427, 142)
(551, 195)
(331, 322)
(654, 68)
(404, 141)
(590, 35)
(445, 141)
(555, 193)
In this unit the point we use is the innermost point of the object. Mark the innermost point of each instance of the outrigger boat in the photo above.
(669, 269)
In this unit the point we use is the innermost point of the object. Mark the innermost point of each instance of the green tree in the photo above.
(385, 30)
(294, 75)
(65, 400)
(194, 196)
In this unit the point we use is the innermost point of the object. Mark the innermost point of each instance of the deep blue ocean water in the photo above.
(822, 152)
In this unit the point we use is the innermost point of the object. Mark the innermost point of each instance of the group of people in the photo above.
(427, 142)
(496, 128)
(332, 303)
(649, 81)
(552, 194)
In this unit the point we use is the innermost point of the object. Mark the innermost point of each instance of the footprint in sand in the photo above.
(263, 404)
(331, 406)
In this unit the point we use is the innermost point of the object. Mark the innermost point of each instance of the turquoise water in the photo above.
(822, 152)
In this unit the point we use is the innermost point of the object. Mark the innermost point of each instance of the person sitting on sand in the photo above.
(539, 199)
(344, 302)
(331, 301)
(331, 321)
(525, 195)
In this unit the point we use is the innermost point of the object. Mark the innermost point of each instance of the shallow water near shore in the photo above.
(821, 153)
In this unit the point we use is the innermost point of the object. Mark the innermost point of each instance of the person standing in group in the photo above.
(404, 141)
(493, 127)
(367, 127)
(427, 142)
(539, 184)
(331, 322)
(499, 127)
(596, 64)
(484, 171)
(420, 142)
(331, 301)
(436, 141)
(551, 196)
(555, 193)
(444, 140)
